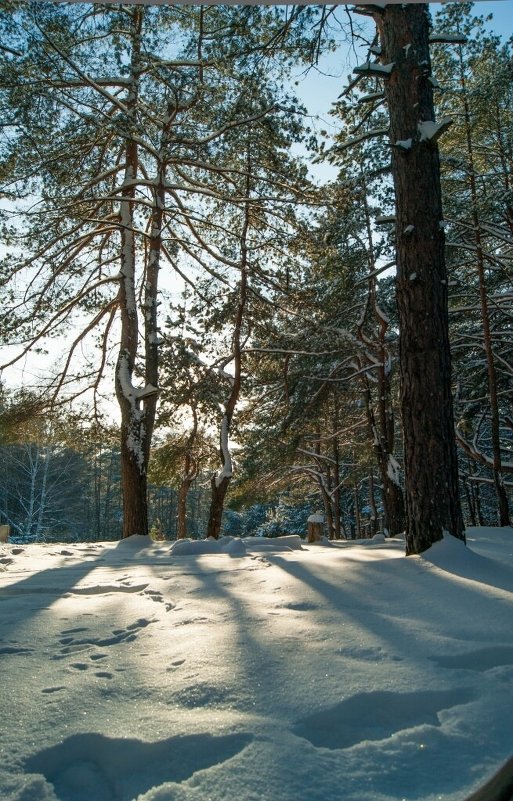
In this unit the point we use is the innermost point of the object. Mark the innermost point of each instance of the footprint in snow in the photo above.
(376, 716)
(480, 660)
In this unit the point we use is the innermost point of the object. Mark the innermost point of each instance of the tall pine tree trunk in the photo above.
(431, 468)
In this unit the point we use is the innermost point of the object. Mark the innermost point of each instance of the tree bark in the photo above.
(220, 482)
(134, 435)
(381, 422)
(431, 469)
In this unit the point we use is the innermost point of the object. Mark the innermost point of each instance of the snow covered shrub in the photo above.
(284, 518)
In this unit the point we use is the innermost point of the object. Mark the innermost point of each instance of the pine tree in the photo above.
(430, 461)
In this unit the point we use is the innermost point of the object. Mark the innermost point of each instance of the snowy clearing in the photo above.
(256, 670)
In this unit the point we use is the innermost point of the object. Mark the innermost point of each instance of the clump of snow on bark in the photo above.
(430, 130)
(393, 470)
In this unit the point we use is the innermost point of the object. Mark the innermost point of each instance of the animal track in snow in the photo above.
(75, 645)
(175, 665)
(156, 595)
(11, 649)
(105, 589)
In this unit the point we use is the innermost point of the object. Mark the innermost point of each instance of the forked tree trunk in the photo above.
(219, 490)
(137, 405)
(431, 468)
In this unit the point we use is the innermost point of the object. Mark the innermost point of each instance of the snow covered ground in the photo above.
(255, 670)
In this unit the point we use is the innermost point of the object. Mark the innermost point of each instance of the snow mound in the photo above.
(324, 541)
(134, 543)
(188, 547)
(290, 542)
(453, 556)
(235, 546)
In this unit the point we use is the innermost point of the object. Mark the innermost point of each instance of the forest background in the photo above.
(268, 367)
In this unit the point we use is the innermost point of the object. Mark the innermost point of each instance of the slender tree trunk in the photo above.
(181, 508)
(500, 490)
(431, 468)
(381, 423)
(43, 492)
(219, 483)
(357, 519)
(336, 483)
(372, 504)
(190, 472)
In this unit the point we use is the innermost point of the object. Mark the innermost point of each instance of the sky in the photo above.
(256, 670)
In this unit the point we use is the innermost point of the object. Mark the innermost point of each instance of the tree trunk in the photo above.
(357, 519)
(134, 486)
(382, 422)
(181, 509)
(372, 505)
(134, 434)
(431, 468)
(220, 482)
(215, 516)
(337, 530)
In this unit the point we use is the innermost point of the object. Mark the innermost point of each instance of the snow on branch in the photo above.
(440, 37)
(369, 9)
(478, 455)
(374, 69)
(371, 98)
(403, 144)
(431, 131)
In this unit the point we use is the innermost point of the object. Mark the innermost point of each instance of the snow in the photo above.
(430, 130)
(447, 38)
(261, 670)
(227, 470)
(404, 144)
(374, 68)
